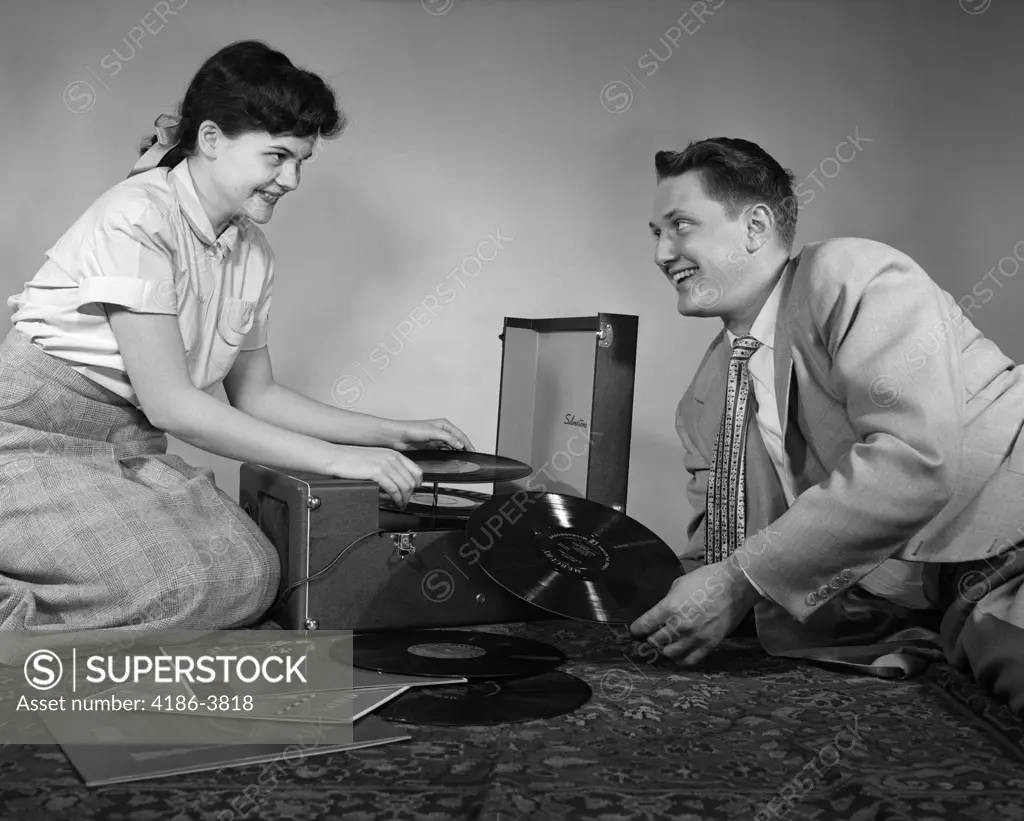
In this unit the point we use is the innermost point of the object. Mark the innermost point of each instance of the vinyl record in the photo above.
(464, 467)
(392, 521)
(489, 701)
(573, 557)
(464, 653)
(452, 503)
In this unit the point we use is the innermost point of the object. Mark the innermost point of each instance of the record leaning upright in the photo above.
(572, 556)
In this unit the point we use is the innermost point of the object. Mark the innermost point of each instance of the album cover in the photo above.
(326, 706)
(369, 690)
(99, 764)
(359, 679)
(337, 706)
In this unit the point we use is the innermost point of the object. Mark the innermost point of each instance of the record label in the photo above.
(450, 653)
(577, 554)
(446, 500)
(452, 503)
(574, 557)
(447, 466)
(447, 651)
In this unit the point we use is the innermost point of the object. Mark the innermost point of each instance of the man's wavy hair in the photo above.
(737, 173)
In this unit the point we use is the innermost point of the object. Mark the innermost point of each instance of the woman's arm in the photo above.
(250, 387)
(154, 358)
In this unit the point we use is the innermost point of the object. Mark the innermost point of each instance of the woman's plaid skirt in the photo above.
(100, 527)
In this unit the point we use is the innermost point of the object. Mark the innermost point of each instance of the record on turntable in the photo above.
(463, 653)
(466, 467)
(452, 503)
(573, 557)
(490, 701)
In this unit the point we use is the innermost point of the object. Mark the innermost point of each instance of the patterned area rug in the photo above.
(745, 736)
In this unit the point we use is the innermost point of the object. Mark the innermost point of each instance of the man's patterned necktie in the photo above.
(726, 513)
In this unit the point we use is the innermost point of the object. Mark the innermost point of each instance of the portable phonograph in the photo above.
(552, 540)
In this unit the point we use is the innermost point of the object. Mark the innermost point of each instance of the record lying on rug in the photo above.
(466, 467)
(573, 557)
(452, 503)
(464, 653)
(489, 701)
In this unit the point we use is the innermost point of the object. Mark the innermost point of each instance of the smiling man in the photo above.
(852, 482)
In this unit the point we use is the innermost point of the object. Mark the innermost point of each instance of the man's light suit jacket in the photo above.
(902, 424)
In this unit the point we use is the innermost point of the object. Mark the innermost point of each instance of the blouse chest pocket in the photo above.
(234, 321)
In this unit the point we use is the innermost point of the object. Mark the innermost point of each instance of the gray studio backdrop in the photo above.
(500, 162)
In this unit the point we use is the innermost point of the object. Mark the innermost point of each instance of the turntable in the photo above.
(351, 561)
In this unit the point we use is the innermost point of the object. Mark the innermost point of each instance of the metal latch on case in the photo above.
(404, 543)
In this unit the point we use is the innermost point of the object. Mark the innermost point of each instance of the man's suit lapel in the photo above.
(806, 468)
(783, 355)
(765, 499)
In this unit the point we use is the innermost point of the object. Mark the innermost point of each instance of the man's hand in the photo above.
(701, 609)
(430, 434)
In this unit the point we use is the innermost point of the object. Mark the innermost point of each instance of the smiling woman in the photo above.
(157, 294)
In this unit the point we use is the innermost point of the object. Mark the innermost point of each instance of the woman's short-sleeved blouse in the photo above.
(147, 245)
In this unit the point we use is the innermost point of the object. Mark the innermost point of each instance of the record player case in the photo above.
(565, 405)
(565, 408)
(394, 577)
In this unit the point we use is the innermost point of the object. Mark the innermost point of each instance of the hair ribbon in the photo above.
(167, 136)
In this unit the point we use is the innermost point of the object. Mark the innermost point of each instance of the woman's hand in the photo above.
(396, 475)
(430, 434)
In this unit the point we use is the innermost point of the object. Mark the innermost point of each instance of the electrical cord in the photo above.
(283, 597)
